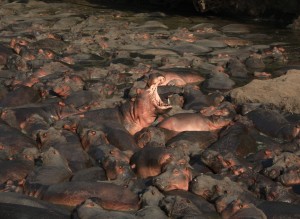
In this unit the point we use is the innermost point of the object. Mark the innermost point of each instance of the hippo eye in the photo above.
(92, 133)
(44, 135)
(112, 152)
(241, 205)
(121, 167)
(175, 171)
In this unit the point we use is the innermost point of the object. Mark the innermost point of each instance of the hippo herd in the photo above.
(107, 114)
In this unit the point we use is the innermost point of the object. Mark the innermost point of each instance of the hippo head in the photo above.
(154, 96)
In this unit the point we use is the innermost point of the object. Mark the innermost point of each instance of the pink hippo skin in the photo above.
(175, 78)
(143, 111)
(193, 122)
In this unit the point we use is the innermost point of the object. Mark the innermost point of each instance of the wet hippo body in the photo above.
(193, 122)
(196, 100)
(110, 196)
(176, 78)
(120, 123)
(238, 210)
(21, 200)
(280, 210)
(143, 111)
(15, 211)
(94, 116)
(174, 177)
(18, 117)
(180, 203)
(20, 96)
(210, 187)
(54, 170)
(149, 161)
(13, 141)
(236, 138)
(15, 170)
(68, 145)
(274, 124)
(90, 209)
(5, 52)
(192, 142)
(92, 174)
(150, 135)
(285, 168)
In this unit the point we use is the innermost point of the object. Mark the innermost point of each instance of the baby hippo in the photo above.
(149, 161)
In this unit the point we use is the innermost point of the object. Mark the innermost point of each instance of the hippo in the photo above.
(238, 209)
(278, 210)
(175, 78)
(143, 111)
(21, 95)
(214, 186)
(273, 124)
(196, 100)
(151, 196)
(180, 203)
(174, 177)
(149, 135)
(92, 174)
(68, 145)
(284, 162)
(236, 138)
(108, 196)
(20, 201)
(290, 177)
(149, 161)
(193, 122)
(14, 211)
(149, 212)
(15, 169)
(5, 52)
(13, 141)
(90, 209)
(54, 169)
(133, 115)
(193, 143)
(177, 207)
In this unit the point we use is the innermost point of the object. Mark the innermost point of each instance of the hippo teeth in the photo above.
(155, 98)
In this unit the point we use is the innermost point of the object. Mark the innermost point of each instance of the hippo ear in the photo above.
(189, 173)
(139, 91)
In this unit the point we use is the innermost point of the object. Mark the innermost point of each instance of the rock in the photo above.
(282, 92)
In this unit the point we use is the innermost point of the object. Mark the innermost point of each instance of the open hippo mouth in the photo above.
(156, 100)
